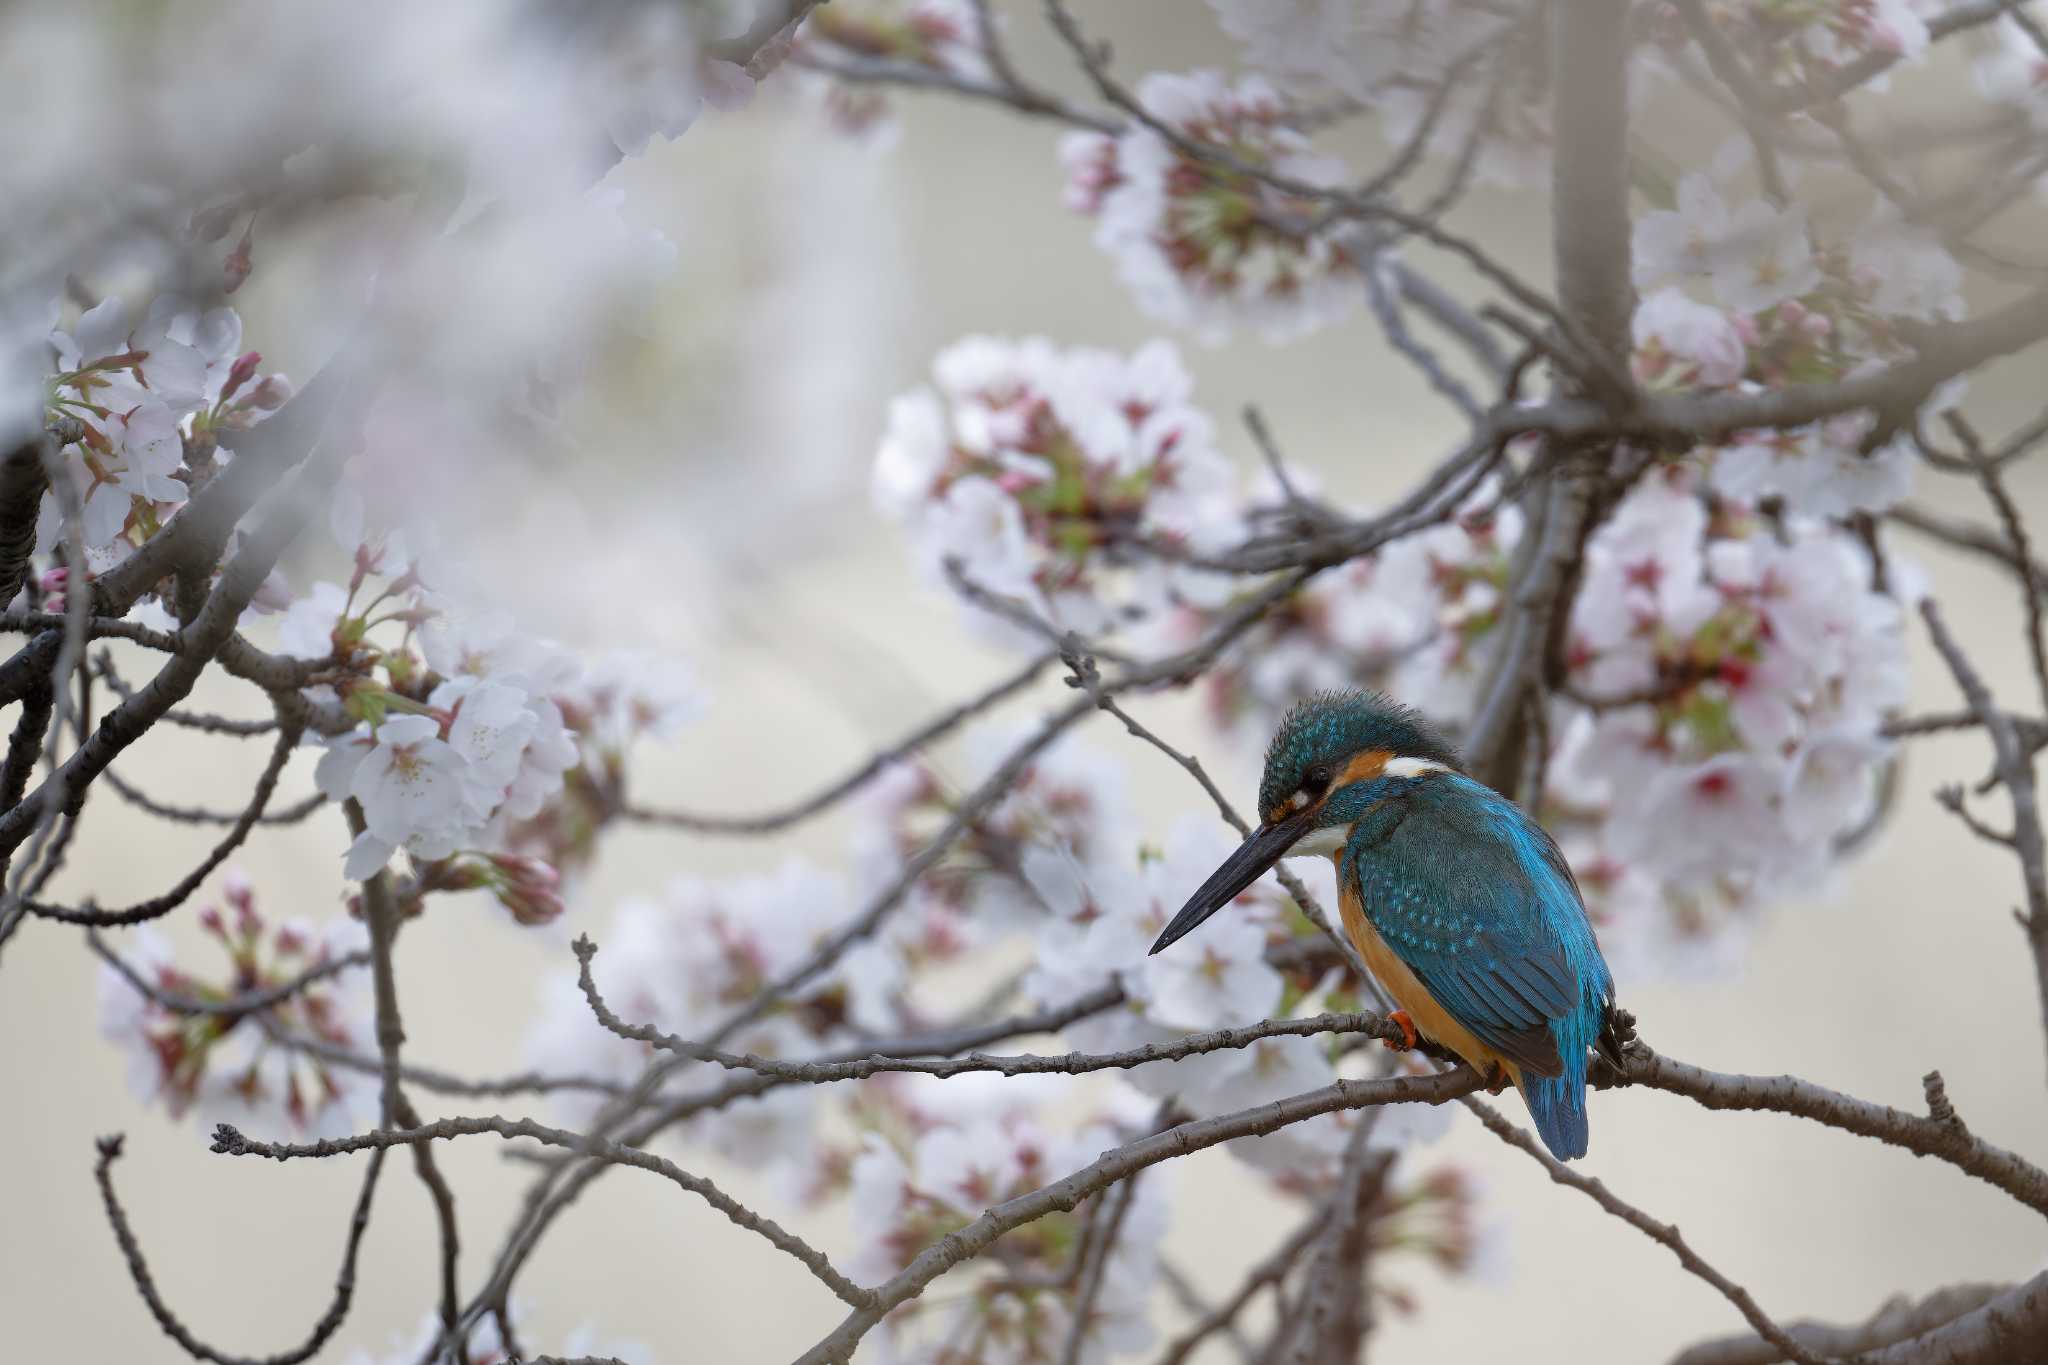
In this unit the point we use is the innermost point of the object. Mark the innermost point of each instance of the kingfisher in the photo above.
(1458, 900)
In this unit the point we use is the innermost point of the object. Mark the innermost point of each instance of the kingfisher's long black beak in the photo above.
(1267, 845)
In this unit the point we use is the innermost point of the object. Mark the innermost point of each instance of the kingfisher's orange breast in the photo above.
(1432, 1020)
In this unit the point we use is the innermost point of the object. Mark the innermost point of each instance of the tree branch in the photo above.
(138, 1268)
(230, 1142)
(1119, 1164)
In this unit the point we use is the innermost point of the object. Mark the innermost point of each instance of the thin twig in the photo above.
(229, 1141)
(770, 821)
(145, 1284)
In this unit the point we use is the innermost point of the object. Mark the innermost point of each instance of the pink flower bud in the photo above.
(242, 371)
(1791, 312)
(212, 923)
(1816, 326)
(527, 887)
(273, 393)
(1745, 327)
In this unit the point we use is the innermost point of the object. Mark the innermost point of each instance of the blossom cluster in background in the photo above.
(1782, 306)
(1041, 474)
(939, 36)
(931, 1157)
(1209, 248)
(261, 1070)
(1756, 662)
(152, 405)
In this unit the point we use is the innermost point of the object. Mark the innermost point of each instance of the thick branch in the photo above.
(22, 482)
(1899, 1319)
(1945, 1140)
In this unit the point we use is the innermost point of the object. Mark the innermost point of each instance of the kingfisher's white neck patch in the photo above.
(1413, 767)
(1326, 842)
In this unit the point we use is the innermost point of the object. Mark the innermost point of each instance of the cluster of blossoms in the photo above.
(1038, 472)
(1758, 662)
(930, 1157)
(247, 1068)
(151, 405)
(488, 756)
(687, 962)
(938, 35)
(1416, 619)
(1204, 246)
(1785, 311)
(1440, 1215)
(1071, 797)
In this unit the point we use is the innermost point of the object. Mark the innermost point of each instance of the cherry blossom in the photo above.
(150, 404)
(1197, 244)
(241, 1068)
(1686, 344)
(1416, 619)
(931, 1159)
(1768, 661)
(938, 35)
(685, 962)
(1035, 473)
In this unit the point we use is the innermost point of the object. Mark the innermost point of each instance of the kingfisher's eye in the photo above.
(1316, 779)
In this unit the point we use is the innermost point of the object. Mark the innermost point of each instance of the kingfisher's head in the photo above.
(1335, 756)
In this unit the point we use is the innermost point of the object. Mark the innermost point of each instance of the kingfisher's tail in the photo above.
(1558, 1104)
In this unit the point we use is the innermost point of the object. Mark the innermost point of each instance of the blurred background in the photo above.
(710, 501)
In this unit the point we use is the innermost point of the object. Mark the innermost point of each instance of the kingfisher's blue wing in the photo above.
(1476, 900)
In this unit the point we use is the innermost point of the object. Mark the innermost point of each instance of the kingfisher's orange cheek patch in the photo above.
(1363, 767)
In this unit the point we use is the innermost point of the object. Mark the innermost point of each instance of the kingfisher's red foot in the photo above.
(1408, 1034)
(1497, 1079)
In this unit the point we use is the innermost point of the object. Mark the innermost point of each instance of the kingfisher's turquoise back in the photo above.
(1475, 899)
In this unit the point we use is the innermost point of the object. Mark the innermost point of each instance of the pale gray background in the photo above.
(817, 280)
